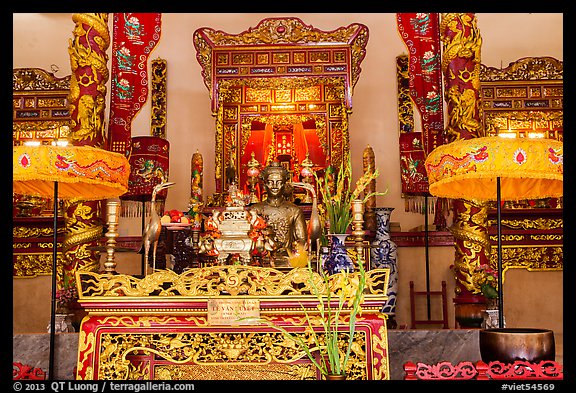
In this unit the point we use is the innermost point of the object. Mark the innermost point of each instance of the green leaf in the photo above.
(489, 291)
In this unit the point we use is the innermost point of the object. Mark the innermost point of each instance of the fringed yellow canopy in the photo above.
(82, 172)
(468, 169)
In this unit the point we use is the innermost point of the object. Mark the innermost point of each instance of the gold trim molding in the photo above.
(525, 69)
(211, 281)
(274, 34)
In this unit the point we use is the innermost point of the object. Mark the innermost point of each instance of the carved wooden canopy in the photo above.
(280, 75)
(40, 106)
(525, 97)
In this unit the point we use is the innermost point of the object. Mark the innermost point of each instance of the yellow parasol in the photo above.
(83, 172)
(67, 172)
(496, 168)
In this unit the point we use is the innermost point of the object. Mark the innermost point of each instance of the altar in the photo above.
(161, 326)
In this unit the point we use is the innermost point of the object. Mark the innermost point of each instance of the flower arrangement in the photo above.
(340, 291)
(64, 297)
(337, 195)
(487, 280)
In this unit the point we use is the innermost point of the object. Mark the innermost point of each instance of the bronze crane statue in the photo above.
(314, 225)
(154, 227)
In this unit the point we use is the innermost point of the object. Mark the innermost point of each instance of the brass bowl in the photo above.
(510, 344)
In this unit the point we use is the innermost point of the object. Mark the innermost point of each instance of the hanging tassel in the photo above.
(130, 209)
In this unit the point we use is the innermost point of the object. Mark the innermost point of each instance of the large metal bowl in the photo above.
(510, 344)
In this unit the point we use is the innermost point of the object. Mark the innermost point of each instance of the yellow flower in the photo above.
(338, 203)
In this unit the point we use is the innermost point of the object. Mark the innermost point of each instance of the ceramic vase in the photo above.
(383, 254)
(491, 317)
(469, 315)
(336, 377)
(337, 258)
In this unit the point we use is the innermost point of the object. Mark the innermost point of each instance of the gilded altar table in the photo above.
(167, 326)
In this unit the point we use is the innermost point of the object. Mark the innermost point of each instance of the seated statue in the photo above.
(285, 220)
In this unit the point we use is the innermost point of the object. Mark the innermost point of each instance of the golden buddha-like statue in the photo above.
(285, 220)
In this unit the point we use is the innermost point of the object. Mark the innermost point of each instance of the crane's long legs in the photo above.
(146, 261)
(154, 257)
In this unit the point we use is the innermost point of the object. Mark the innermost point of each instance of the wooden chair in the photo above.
(433, 294)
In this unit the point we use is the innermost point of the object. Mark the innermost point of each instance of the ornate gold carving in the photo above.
(24, 232)
(86, 345)
(531, 258)
(230, 91)
(232, 349)
(283, 30)
(235, 372)
(547, 237)
(528, 68)
(224, 71)
(158, 97)
(405, 107)
(78, 226)
(215, 281)
(29, 85)
(534, 103)
(278, 31)
(531, 223)
(32, 265)
(461, 41)
(311, 93)
(472, 243)
(380, 347)
(509, 238)
(460, 45)
(38, 79)
(89, 109)
(88, 60)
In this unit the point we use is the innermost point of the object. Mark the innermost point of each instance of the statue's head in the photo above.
(275, 178)
(275, 167)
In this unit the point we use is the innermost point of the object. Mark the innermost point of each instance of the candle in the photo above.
(197, 164)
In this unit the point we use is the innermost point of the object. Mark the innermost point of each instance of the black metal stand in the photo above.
(144, 261)
(427, 257)
(499, 230)
(53, 296)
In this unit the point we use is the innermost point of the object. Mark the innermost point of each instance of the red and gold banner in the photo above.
(149, 166)
(134, 37)
(421, 34)
(412, 170)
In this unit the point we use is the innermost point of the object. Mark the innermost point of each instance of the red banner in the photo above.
(421, 35)
(412, 170)
(134, 37)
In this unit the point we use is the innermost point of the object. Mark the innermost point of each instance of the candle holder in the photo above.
(111, 235)
(252, 173)
(307, 174)
(195, 239)
(357, 227)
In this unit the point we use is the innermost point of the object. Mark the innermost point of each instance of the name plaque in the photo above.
(229, 311)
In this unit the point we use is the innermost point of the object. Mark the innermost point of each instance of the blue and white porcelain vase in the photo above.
(383, 254)
(338, 258)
